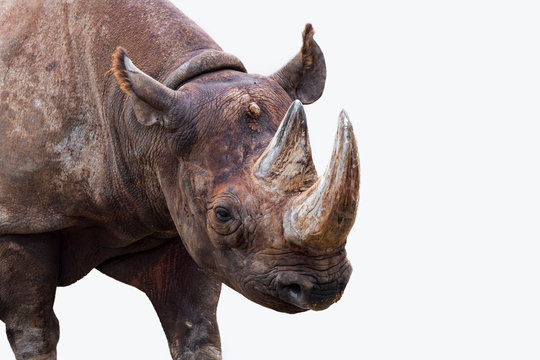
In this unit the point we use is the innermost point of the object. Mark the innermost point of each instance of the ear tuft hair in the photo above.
(307, 56)
(119, 69)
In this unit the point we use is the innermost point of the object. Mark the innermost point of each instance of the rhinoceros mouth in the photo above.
(318, 297)
(294, 289)
(305, 293)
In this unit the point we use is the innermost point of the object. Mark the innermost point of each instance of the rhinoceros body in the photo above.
(168, 168)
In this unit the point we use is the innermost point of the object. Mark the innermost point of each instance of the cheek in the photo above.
(195, 237)
(228, 241)
(189, 216)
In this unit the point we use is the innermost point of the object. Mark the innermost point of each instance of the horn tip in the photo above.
(343, 116)
(344, 122)
(296, 110)
(296, 104)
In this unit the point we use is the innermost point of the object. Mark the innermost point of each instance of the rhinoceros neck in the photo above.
(159, 39)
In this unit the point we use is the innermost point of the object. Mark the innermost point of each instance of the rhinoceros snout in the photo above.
(305, 293)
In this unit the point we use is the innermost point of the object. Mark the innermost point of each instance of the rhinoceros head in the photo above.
(239, 178)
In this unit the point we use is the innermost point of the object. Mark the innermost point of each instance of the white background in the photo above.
(444, 97)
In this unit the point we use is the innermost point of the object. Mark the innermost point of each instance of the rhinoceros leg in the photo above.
(185, 297)
(29, 266)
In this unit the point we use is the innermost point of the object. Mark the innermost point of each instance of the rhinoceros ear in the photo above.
(304, 76)
(151, 99)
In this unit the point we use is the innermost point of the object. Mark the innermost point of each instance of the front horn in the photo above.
(321, 217)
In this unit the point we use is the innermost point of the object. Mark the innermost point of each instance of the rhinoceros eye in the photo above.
(224, 219)
(222, 214)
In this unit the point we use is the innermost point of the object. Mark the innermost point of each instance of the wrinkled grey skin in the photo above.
(95, 177)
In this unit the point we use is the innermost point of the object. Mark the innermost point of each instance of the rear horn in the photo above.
(286, 164)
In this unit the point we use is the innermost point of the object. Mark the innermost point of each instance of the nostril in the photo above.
(294, 290)
(292, 293)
